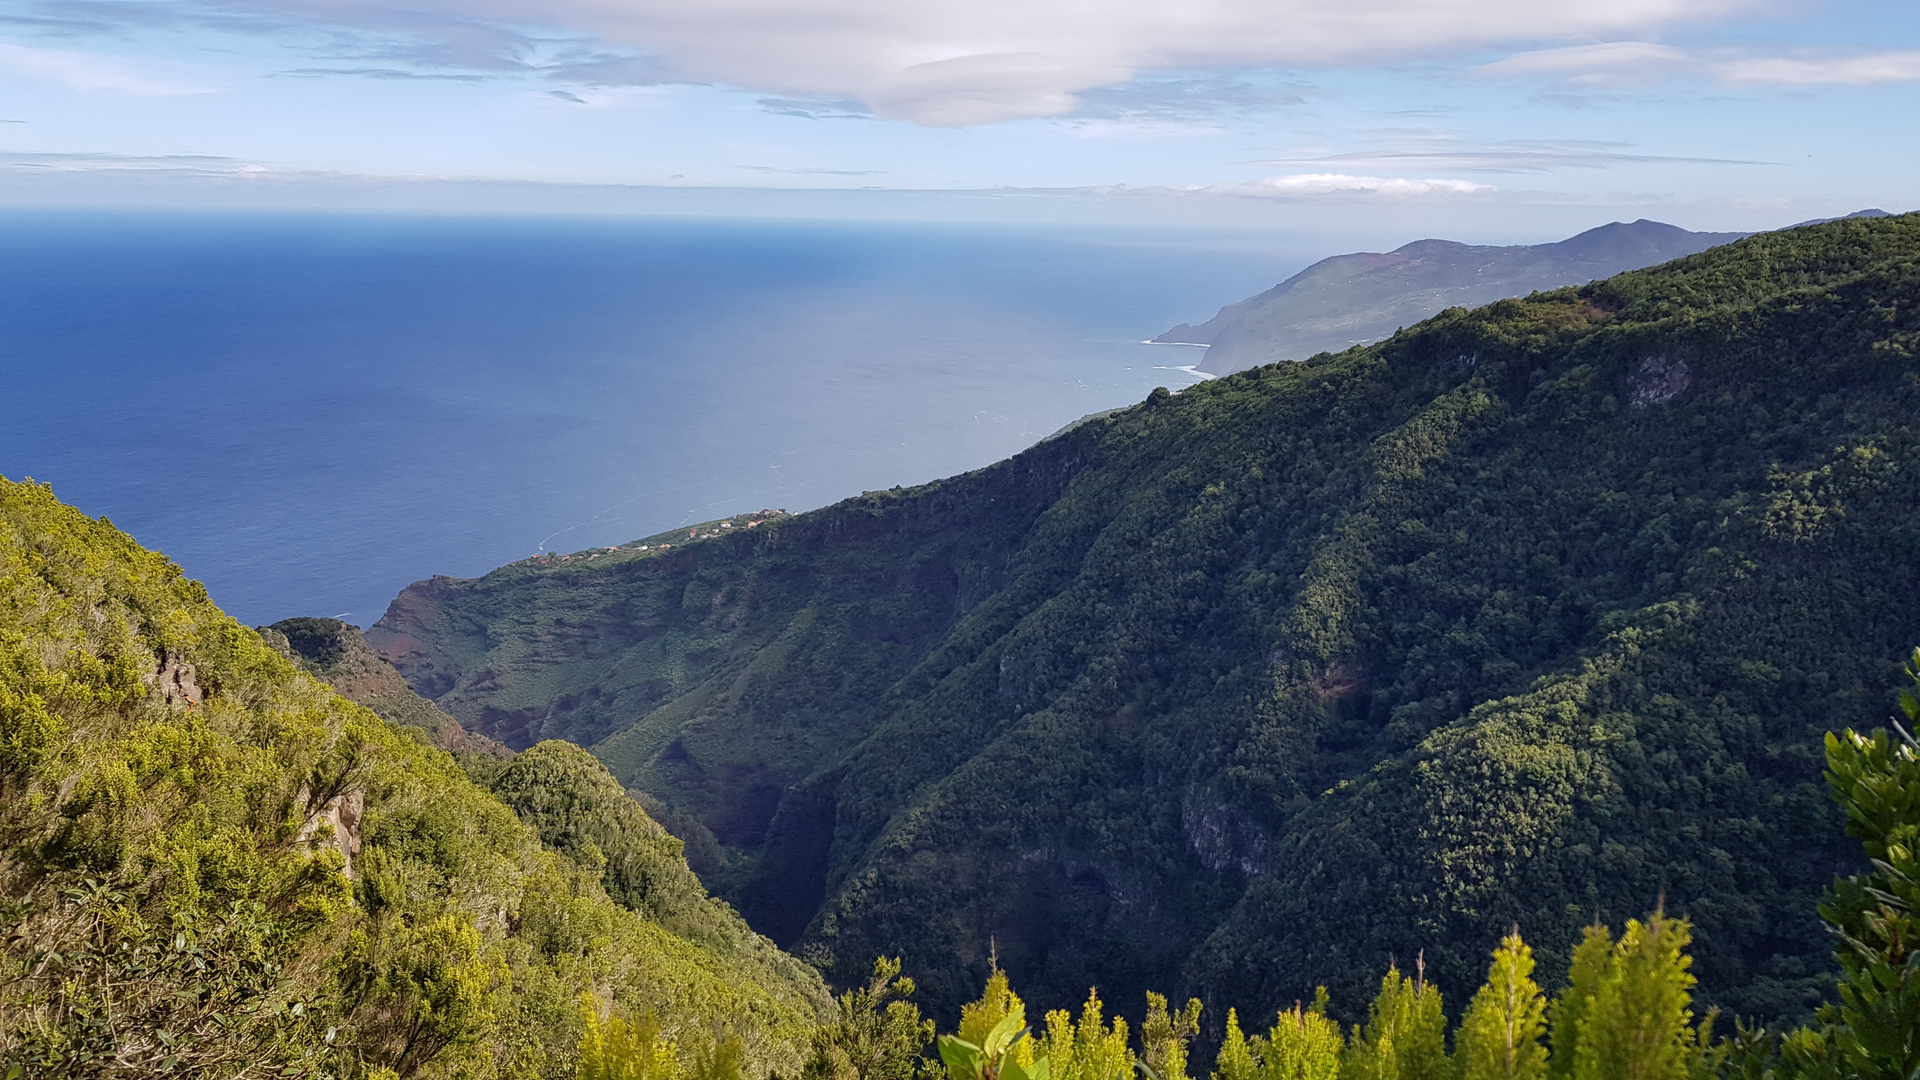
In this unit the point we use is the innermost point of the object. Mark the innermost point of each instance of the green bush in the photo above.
(213, 865)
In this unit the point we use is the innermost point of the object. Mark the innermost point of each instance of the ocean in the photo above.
(309, 412)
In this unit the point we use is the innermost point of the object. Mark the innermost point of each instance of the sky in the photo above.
(1493, 120)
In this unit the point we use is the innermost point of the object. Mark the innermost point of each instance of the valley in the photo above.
(1530, 614)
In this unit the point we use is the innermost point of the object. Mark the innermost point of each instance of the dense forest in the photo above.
(215, 865)
(1527, 616)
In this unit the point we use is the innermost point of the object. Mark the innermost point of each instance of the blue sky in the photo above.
(1481, 119)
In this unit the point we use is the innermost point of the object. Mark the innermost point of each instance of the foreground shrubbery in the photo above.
(1625, 1015)
(212, 865)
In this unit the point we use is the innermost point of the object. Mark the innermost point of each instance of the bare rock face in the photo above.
(415, 617)
(174, 681)
(1659, 379)
(341, 816)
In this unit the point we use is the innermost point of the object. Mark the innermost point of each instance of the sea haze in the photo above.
(307, 413)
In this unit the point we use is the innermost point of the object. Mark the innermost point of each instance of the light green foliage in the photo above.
(1586, 973)
(1164, 1036)
(1302, 1045)
(1235, 1061)
(994, 1042)
(213, 865)
(1500, 1035)
(424, 990)
(617, 1048)
(578, 809)
(997, 1003)
(878, 1034)
(999, 1056)
(1625, 1014)
(620, 1049)
(1405, 1037)
(1090, 1048)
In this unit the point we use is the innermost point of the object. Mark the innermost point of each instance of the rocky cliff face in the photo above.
(1530, 614)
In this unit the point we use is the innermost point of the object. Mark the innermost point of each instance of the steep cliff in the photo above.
(1529, 614)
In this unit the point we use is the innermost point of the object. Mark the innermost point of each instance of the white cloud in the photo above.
(195, 164)
(1610, 63)
(1516, 156)
(1310, 184)
(87, 71)
(1631, 63)
(954, 63)
(987, 88)
(1824, 71)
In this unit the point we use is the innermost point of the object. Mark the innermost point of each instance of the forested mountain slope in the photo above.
(1527, 615)
(213, 865)
(566, 794)
(1360, 298)
(335, 653)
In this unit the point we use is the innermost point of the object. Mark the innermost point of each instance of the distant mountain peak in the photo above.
(1873, 213)
(1355, 299)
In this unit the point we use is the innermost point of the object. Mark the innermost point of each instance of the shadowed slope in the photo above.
(1303, 669)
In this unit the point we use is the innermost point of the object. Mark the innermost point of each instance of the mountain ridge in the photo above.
(1305, 668)
(1349, 300)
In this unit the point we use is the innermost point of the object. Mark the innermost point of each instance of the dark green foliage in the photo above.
(1877, 913)
(1523, 616)
(1874, 1030)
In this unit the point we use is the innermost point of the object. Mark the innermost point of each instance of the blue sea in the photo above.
(309, 412)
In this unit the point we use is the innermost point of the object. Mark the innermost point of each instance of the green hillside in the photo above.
(211, 864)
(1528, 615)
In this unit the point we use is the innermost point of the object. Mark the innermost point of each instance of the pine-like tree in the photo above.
(1406, 1033)
(994, 1042)
(1235, 1061)
(1090, 1049)
(1164, 1036)
(996, 1002)
(1586, 972)
(1303, 1044)
(1625, 1015)
(878, 1035)
(1499, 1037)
